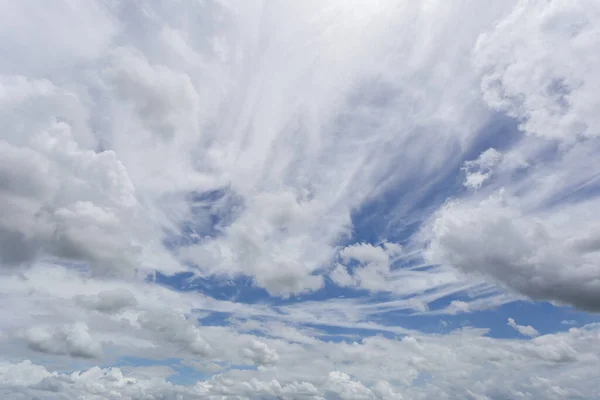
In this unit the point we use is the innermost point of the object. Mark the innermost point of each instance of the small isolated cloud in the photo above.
(481, 169)
(569, 322)
(525, 330)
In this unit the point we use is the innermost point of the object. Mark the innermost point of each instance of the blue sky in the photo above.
(340, 200)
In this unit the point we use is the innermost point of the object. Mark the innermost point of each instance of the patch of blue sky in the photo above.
(183, 374)
(346, 334)
(240, 289)
(130, 361)
(186, 375)
(379, 220)
(544, 317)
(211, 212)
(215, 319)
(328, 291)
(396, 215)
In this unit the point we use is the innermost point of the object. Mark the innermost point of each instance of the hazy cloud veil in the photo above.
(342, 199)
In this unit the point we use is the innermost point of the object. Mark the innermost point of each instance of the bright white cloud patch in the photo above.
(539, 67)
(526, 330)
(479, 170)
(299, 200)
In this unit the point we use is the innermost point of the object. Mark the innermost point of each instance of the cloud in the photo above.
(526, 330)
(109, 301)
(451, 364)
(526, 229)
(57, 48)
(481, 169)
(569, 322)
(175, 329)
(66, 200)
(528, 253)
(550, 89)
(73, 340)
(260, 353)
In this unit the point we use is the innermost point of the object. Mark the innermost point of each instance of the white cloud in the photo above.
(530, 254)
(73, 340)
(177, 330)
(481, 169)
(569, 322)
(66, 200)
(68, 34)
(22, 374)
(526, 330)
(364, 253)
(538, 66)
(109, 301)
(260, 353)
(458, 364)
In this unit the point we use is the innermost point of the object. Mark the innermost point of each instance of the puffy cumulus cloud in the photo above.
(526, 330)
(175, 329)
(365, 253)
(63, 199)
(221, 387)
(274, 241)
(73, 340)
(341, 386)
(22, 374)
(128, 318)
(372, 271)
(99, 383)
(538, 65)
(368, 267)
(460, 364)
(206, 108)
(260, 353)
(534, 254)
(530, 228)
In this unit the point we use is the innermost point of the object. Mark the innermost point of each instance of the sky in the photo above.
(299, 200)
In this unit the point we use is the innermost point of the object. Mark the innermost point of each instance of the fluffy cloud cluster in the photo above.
(542, 256)
(539, 67)
(59, 197)
(464, 363)
(532, 227)
(72, 340)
